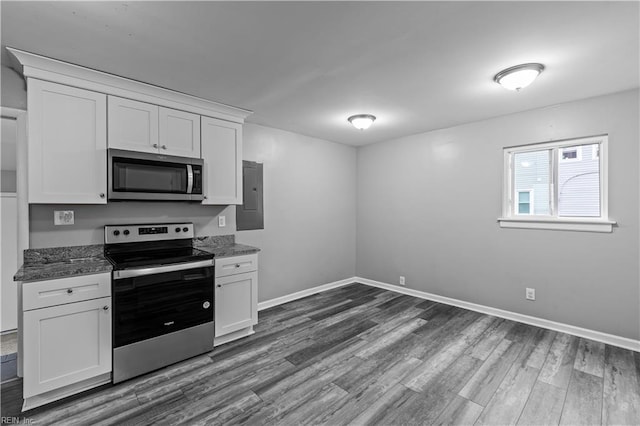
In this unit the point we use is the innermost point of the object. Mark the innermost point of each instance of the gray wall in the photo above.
(428, 204)
(309, 210)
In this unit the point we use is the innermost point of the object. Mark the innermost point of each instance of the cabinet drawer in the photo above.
(236, 265)
(42, 294)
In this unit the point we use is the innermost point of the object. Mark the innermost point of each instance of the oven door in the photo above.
(157, 301)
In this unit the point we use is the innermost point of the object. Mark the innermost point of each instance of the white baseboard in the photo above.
(598, 336)
(304, 293)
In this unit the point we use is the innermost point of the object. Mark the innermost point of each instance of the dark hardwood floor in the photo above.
(362, 355)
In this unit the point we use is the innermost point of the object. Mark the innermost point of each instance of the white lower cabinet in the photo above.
(236, 297)
(66, 348)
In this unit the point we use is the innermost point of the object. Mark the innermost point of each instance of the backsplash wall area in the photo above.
(90, 220)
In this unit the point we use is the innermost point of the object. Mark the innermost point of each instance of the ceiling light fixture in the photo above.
(362, 121)
(518, 77)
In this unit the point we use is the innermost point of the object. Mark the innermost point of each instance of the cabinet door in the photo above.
(133, 125)
(222, 155)
(236, 302)
(179, 133)
(67, 149)
(66, 344)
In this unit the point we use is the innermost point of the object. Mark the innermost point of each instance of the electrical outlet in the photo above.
(63, 217)
(401, 280)
(222, 221)
(530, 293)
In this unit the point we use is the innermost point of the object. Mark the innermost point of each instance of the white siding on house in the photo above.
(532, 174)
(579, 184)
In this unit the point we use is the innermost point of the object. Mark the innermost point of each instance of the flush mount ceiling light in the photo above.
(518, 77)
(362, 121)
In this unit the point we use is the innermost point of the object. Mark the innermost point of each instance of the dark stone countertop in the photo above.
(229, 250)
(62, 262)
(223, 246)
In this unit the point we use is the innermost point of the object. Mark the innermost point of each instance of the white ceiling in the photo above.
(307, 66)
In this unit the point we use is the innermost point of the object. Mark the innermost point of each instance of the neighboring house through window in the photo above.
(568, 179)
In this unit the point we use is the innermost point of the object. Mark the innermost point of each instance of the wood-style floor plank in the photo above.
(544, 405)
(583, 404)
(590, 357)
(482, 385)
(558, 366)
(360, 355)
(459, 412)
(510, 398)
(621, 402)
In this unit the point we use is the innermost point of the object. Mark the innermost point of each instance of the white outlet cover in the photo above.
(530, 293)
(63, 217)
(402, 281)
(222, 221)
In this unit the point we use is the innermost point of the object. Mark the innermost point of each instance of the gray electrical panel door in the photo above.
(250, 215)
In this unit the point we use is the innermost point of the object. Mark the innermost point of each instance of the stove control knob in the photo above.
(185, 229)
(125, 232)
(177, 229)
(116, 232)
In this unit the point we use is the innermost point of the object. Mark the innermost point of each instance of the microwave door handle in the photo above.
(189, 179)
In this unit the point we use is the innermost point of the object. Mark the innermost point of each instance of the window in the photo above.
(569, 180)
(525, 202)
(573, 153)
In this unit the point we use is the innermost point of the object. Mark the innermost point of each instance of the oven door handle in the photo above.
(131, 273)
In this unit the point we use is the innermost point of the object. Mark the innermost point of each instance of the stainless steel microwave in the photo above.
(146, 176)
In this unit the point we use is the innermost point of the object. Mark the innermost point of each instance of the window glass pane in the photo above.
(579, 185)
(531, 174)
(524, 197)
(524, 208)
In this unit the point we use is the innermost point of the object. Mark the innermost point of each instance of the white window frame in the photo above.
(517, 202)
(594, 153)
(510, 218)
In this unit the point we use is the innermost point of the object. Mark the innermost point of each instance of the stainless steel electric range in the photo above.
(162, 296)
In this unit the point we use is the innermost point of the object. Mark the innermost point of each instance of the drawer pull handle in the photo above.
(237, 265)
(219, 285)
(69, 290)
(164, 147)
(106, 308)
(102, 195)
(155, 145)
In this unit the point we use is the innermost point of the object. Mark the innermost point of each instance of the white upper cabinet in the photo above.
(179, 133)
(67, 149)
(133, 125)
(222, 155)
(143, 127)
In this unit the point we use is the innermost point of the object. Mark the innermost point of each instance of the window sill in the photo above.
(584, 225)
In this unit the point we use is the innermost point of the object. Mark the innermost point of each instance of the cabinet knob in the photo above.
(69, 290)
(106, 308)
(102, 195)
(155, 145)
(219, 285)
(237, 265)
(164, 147)
(205, 197)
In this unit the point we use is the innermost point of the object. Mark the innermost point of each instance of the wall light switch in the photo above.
(222, 221)
(63, 217)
